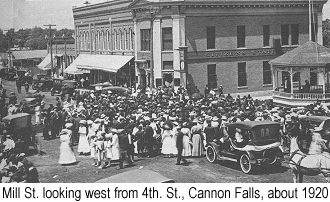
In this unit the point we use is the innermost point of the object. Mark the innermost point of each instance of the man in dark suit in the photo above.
(179, 146)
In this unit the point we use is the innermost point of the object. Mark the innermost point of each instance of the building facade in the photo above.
(199, 42)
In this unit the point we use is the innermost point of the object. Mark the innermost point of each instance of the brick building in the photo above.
(199, 42)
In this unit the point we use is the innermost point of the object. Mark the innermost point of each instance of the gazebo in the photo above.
(301, 76)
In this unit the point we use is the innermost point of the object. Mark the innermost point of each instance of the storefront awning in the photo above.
(72, 69)
(109, 63)
(46, 63)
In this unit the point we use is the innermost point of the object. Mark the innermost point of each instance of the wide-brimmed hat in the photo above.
(68, 125)
(89, 122)
(82, 122)
(215, 118)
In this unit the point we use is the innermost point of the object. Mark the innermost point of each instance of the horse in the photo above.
(302, 163)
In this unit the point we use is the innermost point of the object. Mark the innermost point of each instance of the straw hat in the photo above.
(68, 125)
(82, 122)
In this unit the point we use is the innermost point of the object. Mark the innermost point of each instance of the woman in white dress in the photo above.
(186, 140)
(83, 145)
(67, 156)
(92, 141)
(115, 145)
(108, 149)
(168, 141)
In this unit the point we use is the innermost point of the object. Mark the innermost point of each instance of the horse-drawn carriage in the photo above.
(309, 151)
(260, 145)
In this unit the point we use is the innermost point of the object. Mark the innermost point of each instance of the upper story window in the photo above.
(285, 34)
(210, 37)
(167, 39)
(145, 39)
(294, 34)
(266, 35)
(241, 36)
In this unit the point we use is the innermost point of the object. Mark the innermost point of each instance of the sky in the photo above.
(31, 13)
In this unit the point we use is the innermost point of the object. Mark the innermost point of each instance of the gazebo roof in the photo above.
(304, 55)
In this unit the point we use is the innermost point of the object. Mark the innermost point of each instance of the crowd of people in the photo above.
(115, 127)
(14, 166)
(118, 126)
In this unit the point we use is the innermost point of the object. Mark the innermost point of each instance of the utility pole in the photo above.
(9, 52)
(50, 47)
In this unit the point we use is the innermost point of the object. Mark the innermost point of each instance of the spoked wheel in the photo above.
(245, 164)
(210, 154)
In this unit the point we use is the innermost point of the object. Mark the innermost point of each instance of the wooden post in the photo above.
(291, 80)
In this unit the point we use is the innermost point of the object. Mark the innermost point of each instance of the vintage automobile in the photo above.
(8, 73)
(322, 122)
(19, 126)
(29, 104)
(116, 89)
(261, 145)
(63, 86)
(42, 83)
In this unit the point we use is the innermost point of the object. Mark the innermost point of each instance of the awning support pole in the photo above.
(291, 80)
(130, 76)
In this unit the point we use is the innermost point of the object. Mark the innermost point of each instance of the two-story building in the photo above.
(199, 42)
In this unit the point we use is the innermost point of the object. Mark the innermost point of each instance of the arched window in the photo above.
(132, 39)
(118, 40)
(127, 39)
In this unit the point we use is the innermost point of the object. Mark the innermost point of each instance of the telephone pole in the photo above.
(9, 52)
(50, 47)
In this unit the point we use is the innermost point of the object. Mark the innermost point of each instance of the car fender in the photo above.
(251, 156)
(215, 146)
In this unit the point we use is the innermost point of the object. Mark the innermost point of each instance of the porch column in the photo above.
(324, 80)
(291, 81)
(273, 77)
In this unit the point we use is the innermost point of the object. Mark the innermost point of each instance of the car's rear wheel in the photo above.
(245, 164)
(210, 154)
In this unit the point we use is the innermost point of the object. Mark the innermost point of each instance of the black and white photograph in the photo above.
(156, 91)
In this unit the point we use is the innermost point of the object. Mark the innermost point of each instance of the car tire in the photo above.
(52, 92)
(245, 164)
(211, 155)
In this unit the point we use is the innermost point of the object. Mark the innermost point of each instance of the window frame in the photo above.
(266, 35)
(167, 40)
(241, 36)
(285, 34)
(266, 79)
(145, 39)
(212, 78)
(240, 73)
(210, 37)
(294, 34)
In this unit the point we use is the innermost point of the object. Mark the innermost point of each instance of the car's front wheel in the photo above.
(211, 154)
(245, 164)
